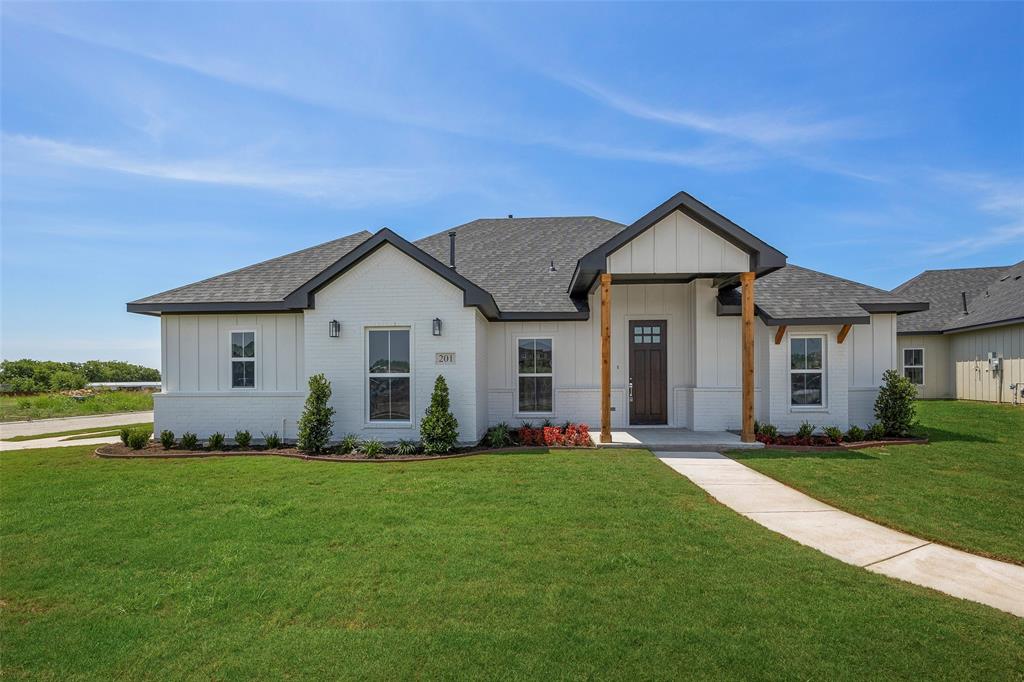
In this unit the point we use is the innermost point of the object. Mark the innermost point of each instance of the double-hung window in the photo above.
(806, 371)
(913, 365)
(389, 375)
(535, 378)
(243, 359)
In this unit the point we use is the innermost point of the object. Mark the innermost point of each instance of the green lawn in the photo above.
(965, 489)
(78, 434)
(576, 564)
(46, 405)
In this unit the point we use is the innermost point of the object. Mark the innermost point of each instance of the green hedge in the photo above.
(37, 376)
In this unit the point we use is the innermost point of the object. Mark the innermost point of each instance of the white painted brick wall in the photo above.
(862, 406)
(836, 410)
(204, 414)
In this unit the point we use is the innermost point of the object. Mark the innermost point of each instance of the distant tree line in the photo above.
(36, 376)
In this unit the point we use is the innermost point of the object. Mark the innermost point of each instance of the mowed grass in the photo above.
(965, 489)
(77, 434)
(47, 405)
(574, 564)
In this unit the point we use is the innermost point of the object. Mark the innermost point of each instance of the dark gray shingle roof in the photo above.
(941, 288)
(796, 293)
(511, 257)
(1001, 301)
(269, 281)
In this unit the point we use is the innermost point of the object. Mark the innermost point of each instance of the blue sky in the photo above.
(146, 146)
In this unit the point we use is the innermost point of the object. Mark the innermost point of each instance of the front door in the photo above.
(648, 372)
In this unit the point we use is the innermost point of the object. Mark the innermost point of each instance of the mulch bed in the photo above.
(156, 451)
(859, 445)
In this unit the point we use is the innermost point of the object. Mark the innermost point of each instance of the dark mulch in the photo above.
(858, 445)
(156, 451)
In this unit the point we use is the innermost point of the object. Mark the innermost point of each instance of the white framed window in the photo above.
(913, 365)
(388, 375)
(807, 371)
(535, 391)
(243, 359)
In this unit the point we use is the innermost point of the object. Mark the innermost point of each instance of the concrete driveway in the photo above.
(850, 538)
(38, 426)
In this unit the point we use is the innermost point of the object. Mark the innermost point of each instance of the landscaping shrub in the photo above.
(372, 448)
(855, 434)
(167, 439)
(577, 435)
(805, 431)
(138, 438)
(439, 430)
(317, 419)
(769, 431)
(876, 432)
(272, 441)
(242, 438)
(126, 433)
(894, 406)
(499, 436)
(189, 440)
(216, 441)
(834, 434)
(552, 436)
(348, 444)
(406, 448)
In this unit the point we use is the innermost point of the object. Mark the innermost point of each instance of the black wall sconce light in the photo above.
(437, 326)
(334, 328)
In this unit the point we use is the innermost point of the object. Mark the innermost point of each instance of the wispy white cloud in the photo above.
(1000, 197)
(354, 186)
(707, 157)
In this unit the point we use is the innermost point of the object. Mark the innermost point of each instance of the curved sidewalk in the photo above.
(850, 538)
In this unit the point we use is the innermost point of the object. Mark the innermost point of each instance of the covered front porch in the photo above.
(674, 439)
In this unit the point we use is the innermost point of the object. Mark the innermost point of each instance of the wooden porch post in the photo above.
(747, 282)
(606, 358)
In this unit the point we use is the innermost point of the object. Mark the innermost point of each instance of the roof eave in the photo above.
(900, 308)
(984, 325)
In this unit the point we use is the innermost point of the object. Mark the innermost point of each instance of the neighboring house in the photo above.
(510, 311)
(969, 344)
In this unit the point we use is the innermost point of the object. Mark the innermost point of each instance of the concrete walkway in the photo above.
(37, 426)
(58, 442)
(850, 538)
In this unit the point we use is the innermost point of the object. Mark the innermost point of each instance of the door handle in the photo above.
(631, 389)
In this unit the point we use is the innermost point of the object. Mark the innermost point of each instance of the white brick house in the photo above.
(510, 312)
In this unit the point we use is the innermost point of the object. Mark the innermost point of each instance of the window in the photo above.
(389, 375)
(642, 334)
(243, 359)
(535, 376)
(806, 375)
(913, 365)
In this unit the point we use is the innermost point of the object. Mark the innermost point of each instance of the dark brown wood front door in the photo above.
(648, 372)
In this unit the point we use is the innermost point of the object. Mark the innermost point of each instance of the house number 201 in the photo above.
(445, 359)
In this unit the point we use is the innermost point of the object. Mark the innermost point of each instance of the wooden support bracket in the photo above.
(843, 332)
(781, 332)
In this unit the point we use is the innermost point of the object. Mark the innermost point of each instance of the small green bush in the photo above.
(126, 432)
(137, 438)
(806, 430)
(767, 430)
(243, 438)
(499, 436)
(189, 440)
(405, 448)
(894, 406)
(833, 433)
(349, 444)
(167, 439)
(216, 441)
(439, 430)
(317, 421)
(855, 434)
(876, 432)
(372, 448)
(272, 441)
(64, 380)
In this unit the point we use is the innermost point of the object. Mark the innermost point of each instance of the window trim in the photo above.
(823, 407)
(515, 375)
(255, 356)
(388, 423)
(904, 365)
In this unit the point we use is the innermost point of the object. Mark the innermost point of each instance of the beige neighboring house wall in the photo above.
(938, 368)
(969, 352)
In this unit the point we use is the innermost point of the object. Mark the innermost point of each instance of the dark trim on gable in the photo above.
(226, 307)
(928, 333)
(763, 257)
(733, 310)
(544, 316)
(984, 325)
(898, 308)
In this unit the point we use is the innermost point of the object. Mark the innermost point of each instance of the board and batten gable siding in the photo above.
(390, 289)
(577, 356)
(196, 391)
(677, 244)
(969, 352)
(938, 366)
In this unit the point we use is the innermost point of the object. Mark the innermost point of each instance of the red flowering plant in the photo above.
(553, 436)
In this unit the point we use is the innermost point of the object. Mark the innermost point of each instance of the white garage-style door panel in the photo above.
(678, 244)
